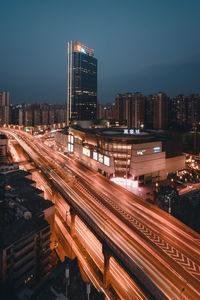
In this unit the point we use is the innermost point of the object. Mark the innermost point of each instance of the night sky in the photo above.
(141, 45)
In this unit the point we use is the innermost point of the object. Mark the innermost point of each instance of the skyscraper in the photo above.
(82, 82)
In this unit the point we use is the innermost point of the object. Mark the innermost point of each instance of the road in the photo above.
(164, 248)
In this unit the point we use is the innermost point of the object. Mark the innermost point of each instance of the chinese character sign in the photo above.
(131, 131)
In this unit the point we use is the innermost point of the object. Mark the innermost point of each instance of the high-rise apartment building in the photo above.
(193, 109)
(130, 108)
(160, 111)
(4, 107)
(37, 117)
(28, 114)
(100, 112)
(82, 82)
(148, 116)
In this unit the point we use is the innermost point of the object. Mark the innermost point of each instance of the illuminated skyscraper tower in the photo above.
(82, 82)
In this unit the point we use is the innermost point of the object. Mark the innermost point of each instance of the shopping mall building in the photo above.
(120, 152)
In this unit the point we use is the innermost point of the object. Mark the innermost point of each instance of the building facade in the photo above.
(82, 82)
(31, 115)
(130, 108)
(118, 152)
(160, 111)
(25, 219)
(4, 108)
(3, 148)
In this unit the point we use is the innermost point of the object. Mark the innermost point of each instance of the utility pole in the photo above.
(88, 290)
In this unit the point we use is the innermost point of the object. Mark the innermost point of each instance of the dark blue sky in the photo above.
(141, 45)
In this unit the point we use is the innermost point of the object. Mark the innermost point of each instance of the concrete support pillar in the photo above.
(72, 226)
(54, 196)
(107, 255)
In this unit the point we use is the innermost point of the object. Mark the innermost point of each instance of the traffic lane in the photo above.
(148, 225)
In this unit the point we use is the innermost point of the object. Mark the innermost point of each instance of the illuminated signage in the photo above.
(156, 149)
(86, 151)
(131, 131)
(95, 155)
(140, 152)
(106, 160)
(83, 50)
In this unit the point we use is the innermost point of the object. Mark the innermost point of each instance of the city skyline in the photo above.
(147, 48)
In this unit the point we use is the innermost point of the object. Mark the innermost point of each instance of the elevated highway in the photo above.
(151, 245)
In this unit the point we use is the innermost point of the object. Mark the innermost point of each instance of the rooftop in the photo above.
(21, 208)
(130, 135)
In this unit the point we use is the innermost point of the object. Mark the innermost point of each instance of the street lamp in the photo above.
(88, 290)
(156, 186)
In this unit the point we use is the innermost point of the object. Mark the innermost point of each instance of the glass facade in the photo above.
(120, 151)
(82, 82)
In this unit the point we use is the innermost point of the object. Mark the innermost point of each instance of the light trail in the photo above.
(147, 252)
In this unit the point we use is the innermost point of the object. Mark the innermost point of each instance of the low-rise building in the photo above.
(24, 230)
(3, 148)
(118, 152)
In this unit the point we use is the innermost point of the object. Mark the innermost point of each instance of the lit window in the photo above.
(156, 149)
(86, 151)
(100, 158)
(72, 139)
(106, 160)
(95, 155)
